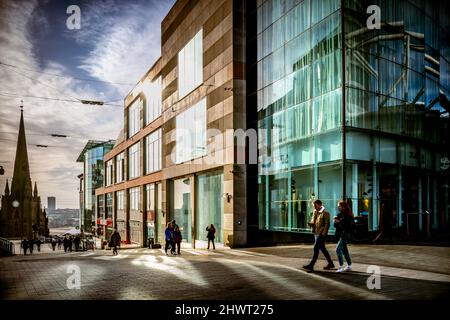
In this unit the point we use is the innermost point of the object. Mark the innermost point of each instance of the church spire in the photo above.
(35, 192)
(7, 188)
(21, 183)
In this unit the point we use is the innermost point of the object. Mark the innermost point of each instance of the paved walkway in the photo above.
(407, 272)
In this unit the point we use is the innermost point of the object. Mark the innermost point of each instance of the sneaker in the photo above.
(348, 268)
(308, 267)
(329, 267)
(340, 269)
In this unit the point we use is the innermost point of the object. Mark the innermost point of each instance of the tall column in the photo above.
(355, 195)
(375, 197)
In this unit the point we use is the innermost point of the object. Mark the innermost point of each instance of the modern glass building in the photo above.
(92, 159)
(348, 112)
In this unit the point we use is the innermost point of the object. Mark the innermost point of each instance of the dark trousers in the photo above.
(319, 245)
(178, 245)
(211, 240)
(115, 250)
(171, 244)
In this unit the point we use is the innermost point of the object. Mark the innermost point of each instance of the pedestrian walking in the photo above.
(177, 239)
(211, 235)
(38, 244)
(115, 241)
(66, 244)
(31, 245)
(344, 224)
(320, 224)
(24, 246)
(53, 244)
(59, 243)
(77, 241)
(168, 235)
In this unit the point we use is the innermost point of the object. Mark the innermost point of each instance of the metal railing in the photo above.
(7, 247)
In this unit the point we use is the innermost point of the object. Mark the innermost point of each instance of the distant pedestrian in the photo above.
(320, 224)
(66, 244)
(115, 241)
(38, 244)
(53, 244)
(59, 243)
(31, 245)
(177, 239)
(174, 224)
(168, 235)
(386, 221)
(211, 235)
(344, 225)
(77, 241)
(24, 245)
(70, 243)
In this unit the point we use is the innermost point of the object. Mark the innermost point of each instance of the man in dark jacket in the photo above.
(320, 223)
(115, 241)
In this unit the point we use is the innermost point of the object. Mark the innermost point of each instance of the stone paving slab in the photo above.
(407, 272)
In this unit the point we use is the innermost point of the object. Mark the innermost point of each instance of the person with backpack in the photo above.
(344, 224)
(211, 235)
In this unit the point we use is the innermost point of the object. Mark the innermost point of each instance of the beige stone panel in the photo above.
(228, 106)
(225, 25)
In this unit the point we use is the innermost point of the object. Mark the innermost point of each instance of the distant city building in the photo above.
(51, 203)
(92, 158)
(21, 214)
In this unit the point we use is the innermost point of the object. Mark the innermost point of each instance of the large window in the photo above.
(134, 198)
(133, 161)
(180, 196)
(120, 200)
(109, 205)
(191, 133)
(209, 204)
(134, 117)
(190, 65)
(120, 165)
(152, 91)
(109, 172)
(153, 152)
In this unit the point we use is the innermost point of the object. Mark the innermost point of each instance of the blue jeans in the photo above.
(342, 250)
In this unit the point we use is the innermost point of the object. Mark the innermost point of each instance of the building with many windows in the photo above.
(93, 172)
(257, 108)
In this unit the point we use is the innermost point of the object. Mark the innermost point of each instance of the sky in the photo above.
(41, 58)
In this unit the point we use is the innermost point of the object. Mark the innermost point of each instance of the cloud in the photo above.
(126, 44)
(123, 46)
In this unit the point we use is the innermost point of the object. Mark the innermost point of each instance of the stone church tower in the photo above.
(21, 214)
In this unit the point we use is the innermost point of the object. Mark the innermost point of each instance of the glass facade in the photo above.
(181, 206)
(93, 179)
(299, 110)
(391, 114)
(209, 204)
